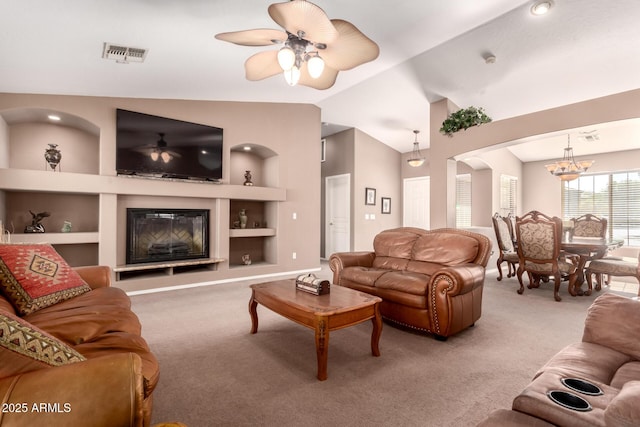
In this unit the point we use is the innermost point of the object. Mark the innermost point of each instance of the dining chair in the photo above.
(539, 252)
(589, 225)
(504, 236)
(614, 267)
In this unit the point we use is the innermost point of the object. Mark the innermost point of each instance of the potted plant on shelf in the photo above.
(464, 119)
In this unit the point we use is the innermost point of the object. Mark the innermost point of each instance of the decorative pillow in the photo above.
(24, 348)
(36, 276)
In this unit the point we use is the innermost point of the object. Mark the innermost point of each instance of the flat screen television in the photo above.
(148, 145)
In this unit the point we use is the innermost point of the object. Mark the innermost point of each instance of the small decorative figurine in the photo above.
(35, 226)
(243, 218)
(247, 178)
(66, 227)
(246, 259)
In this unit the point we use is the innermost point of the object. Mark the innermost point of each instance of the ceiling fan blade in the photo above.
(262, 65)
(300, 15)
(257, 37)
(350, 49)
(325, 81)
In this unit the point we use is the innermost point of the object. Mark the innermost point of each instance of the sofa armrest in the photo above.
(456, 280)
(451, 283)
(96, 276)
(106, 390)
(340, 260)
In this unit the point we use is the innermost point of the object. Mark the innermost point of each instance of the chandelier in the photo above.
(295, 53)
(568, 169)
(416, 159)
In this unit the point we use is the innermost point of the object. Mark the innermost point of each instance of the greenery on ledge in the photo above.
(464, 119)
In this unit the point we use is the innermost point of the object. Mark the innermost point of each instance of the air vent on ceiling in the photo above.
(589, 136)
(123, 54)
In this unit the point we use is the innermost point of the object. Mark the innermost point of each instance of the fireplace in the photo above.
(157, 235)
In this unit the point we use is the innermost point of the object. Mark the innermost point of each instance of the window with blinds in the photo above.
(463, 200)
(615, 196)
(508, 195)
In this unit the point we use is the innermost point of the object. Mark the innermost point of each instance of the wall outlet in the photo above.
(294, 216)
(294, 255)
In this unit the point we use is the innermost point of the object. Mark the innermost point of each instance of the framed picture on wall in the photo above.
(386, 205)
(370, 196)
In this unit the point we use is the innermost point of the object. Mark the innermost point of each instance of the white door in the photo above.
(415, 211)
(337, 214)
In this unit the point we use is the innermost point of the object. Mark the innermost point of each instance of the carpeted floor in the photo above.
(215, 373)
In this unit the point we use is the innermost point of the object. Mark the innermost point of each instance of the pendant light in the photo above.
(416, 159)
(568, 169)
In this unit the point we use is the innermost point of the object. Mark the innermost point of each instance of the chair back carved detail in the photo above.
(589, 225)
(539, 247)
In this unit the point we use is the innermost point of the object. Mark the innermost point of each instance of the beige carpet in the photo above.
(215, 373)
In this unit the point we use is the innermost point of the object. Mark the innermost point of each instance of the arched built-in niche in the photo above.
(261, 161)
(31, 130)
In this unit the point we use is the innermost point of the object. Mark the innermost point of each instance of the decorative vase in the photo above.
(243, 218)
(53, 156)
(247, 178)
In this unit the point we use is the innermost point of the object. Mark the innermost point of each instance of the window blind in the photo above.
(463, 200)
(508, 195)
(615, 196)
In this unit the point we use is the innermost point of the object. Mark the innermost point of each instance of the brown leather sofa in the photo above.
(428, 280)
(112, 387)
(608, 357)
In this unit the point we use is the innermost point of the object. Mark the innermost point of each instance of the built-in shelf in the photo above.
(130, 271)
(252, 232)
(73, 238)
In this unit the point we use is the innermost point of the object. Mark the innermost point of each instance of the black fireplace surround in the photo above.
(160, 235)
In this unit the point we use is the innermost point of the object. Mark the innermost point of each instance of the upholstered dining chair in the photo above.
(613, 267)
(539, 253)
(589, 225)
(504, 236)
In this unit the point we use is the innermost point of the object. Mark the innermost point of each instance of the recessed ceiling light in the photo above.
(541, 7)
(53, 118)
(246, 148)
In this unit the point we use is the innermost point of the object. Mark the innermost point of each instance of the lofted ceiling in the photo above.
(429, 50)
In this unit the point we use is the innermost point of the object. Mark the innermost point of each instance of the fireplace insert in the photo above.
(156, 235)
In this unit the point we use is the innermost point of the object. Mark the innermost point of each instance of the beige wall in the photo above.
(371, 164)
(611, 108)
(290, 130)
(339, 160)
(376, 166)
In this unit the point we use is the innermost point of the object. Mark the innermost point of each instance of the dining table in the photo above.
(587, 249)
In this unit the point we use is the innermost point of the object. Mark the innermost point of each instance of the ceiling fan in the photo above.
(314, 48)
(159, 151)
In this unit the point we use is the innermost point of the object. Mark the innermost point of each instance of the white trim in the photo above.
(219, 282)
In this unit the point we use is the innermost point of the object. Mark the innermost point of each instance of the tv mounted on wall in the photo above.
(155, 146)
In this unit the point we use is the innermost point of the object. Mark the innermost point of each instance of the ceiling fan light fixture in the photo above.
(286, 58)
(292, 75)
(315, 66)
(154, 156)
(166, 157)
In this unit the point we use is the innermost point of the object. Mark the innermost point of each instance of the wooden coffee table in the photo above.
(340, 308)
